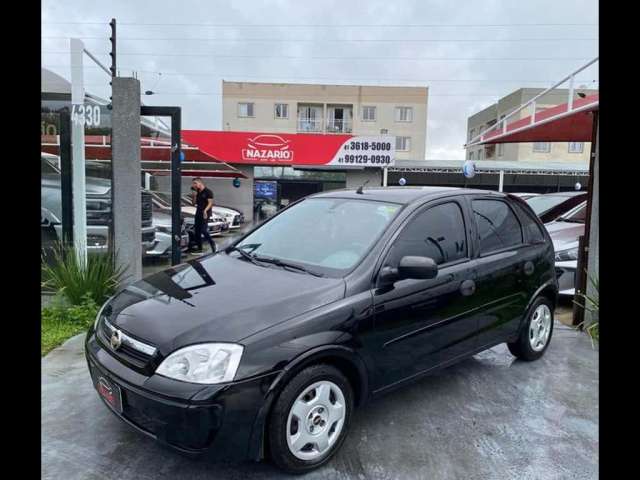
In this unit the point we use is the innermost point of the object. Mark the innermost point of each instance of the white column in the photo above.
(77, 153)
(384, 176)
(501, 181)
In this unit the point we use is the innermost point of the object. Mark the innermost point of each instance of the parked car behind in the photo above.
(565, 232)
(162, 245)
(267, 347)
(552, 205)
(525, 195)
(98, 193)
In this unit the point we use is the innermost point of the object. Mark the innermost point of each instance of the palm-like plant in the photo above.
(591, 303)
(74, 278)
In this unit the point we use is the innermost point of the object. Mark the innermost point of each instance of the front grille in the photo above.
(125, 353)
(147, 209)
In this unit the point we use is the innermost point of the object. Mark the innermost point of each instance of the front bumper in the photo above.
(162, 245)
(198, 420)
(566, 275)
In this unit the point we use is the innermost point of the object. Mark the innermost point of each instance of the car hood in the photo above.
(218, 298)
(564, 234)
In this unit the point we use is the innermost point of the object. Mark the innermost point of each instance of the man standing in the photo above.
(203, 200)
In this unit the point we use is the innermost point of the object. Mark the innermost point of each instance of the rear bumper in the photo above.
(198, 420)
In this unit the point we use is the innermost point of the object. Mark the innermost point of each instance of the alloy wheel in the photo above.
(540, 327)
(315, 420)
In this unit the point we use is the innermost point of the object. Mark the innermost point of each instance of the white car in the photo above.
(565, 232)
(162, 244)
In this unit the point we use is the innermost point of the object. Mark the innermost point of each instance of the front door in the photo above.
(420, 324)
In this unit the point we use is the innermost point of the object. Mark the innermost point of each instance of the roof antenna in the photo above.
(360, 191)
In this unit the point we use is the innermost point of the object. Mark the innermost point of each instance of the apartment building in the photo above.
(538, 151)
(330, 109)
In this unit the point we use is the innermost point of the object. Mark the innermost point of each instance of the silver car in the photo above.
(565, 232)
(162, 244)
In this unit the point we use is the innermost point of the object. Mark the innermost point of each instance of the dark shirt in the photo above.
(202, 199)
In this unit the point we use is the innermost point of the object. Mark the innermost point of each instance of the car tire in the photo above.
(323, 396)
(535, 335)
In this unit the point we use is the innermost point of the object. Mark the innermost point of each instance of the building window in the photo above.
(472, 133)
(404, 114)
(470, 155)
(403, 144)
(281, 110)
(576, 147)
(368, 114)
(543, 147)
(245, 109)
(501, 149)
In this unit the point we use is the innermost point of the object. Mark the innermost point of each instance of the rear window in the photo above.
(498, 226)
(542, 203)
(530, 225)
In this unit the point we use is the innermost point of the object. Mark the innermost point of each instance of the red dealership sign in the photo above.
(257, 148)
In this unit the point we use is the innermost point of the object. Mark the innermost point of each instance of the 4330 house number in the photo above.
(88, 115)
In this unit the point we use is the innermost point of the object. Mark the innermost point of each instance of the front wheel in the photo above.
(310, 419)
(536, 332)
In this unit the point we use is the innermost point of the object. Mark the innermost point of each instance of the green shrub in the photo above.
(591, 303)
(73, 278)
(61, 321)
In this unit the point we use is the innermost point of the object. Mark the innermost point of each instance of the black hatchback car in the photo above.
(265, 348)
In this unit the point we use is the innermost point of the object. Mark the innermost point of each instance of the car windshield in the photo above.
(542, 203)
(327, 235)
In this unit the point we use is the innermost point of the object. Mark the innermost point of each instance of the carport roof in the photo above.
(492, 166)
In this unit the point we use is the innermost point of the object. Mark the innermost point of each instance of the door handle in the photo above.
(467, 288)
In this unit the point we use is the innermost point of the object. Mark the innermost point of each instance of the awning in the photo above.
(155, 156)
(555, 124)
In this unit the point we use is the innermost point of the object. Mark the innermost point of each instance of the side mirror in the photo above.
(417, 267)
(409, 267)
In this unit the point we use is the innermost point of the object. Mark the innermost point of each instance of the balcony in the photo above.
(309, 124)
(339, 126)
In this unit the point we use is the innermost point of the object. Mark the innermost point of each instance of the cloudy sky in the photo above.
(469, 53)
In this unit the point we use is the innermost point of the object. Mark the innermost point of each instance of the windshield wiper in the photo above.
(280, 263)
(245, 255)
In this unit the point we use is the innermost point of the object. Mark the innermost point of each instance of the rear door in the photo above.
(420, 324)
(503, 263)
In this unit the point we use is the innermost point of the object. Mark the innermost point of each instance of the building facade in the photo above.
(329, 109)
(539, 151)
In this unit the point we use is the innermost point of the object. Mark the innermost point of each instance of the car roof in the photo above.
(402, 195)
(565, 194)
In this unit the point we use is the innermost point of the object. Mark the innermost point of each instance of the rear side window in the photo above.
(498, 226)
(529, 224)
(437, 232)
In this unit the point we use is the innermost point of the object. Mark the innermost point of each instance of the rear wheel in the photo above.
(310, 419)
(536, 334)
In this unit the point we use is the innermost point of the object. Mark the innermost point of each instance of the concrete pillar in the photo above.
(126, 190)
(594, 232)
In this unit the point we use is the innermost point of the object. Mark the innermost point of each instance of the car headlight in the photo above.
(208, 363)
(568, 254)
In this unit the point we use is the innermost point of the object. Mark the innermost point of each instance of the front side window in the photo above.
(437, 233)
(281, 110)
(245, 109)
(368, 114)
(498, 226)
(542, 147)
(330, 235)
(404, 114)
(403, 144)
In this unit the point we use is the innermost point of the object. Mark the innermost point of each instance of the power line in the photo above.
(333, 25)
(312, 57)
(324, 40)
(333, 79)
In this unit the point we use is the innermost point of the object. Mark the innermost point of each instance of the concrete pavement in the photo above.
(488, 417)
